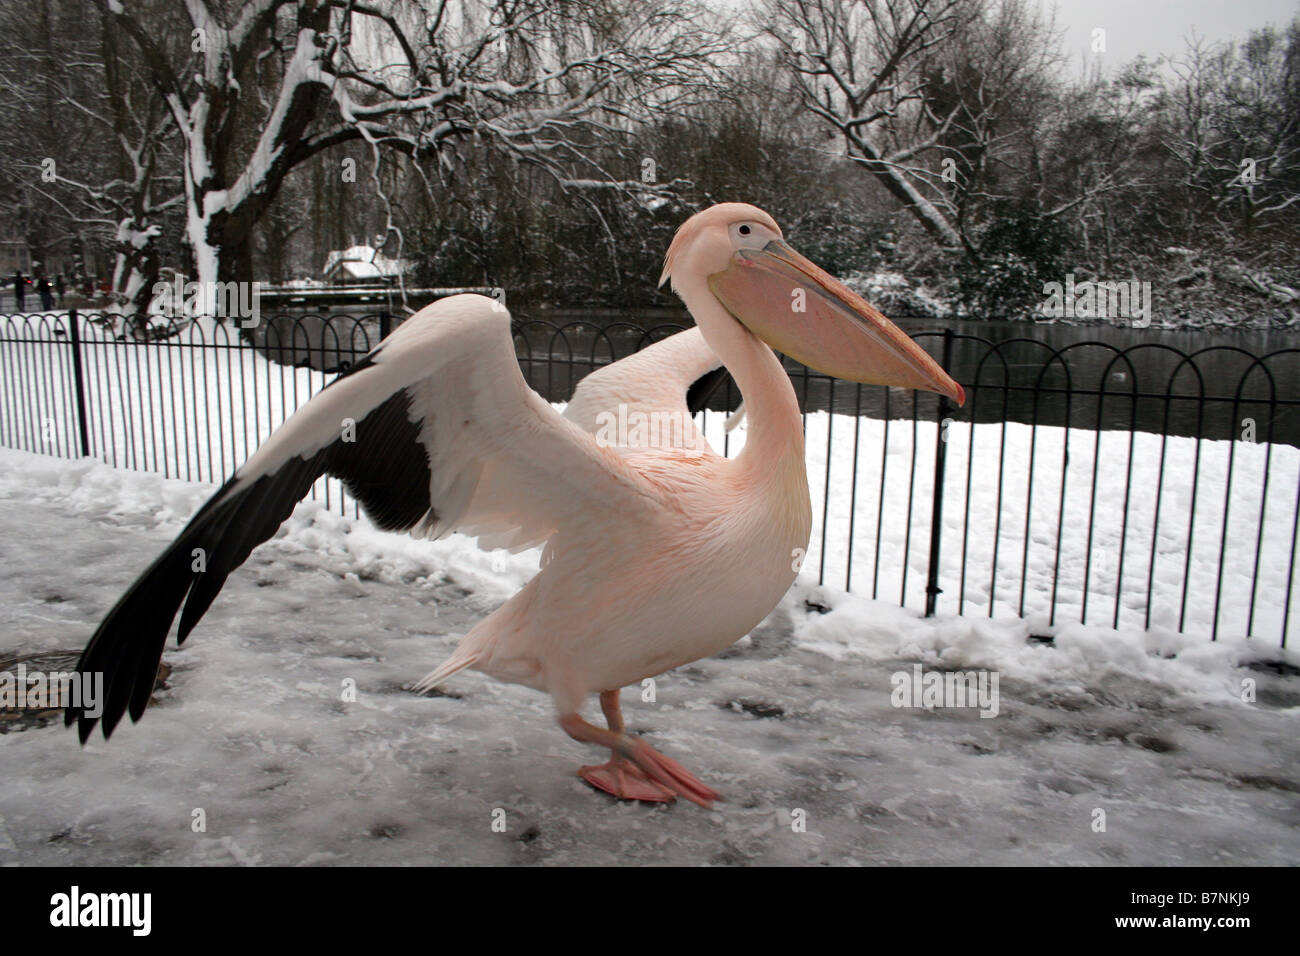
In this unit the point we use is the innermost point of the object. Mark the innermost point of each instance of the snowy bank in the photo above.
(197, 412)
(256, 731)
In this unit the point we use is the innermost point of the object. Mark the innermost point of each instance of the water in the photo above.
(1087, 376)
(1091, 376)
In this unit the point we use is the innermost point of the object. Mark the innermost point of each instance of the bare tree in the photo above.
(1229, 124)
(926, 95)
(264, 85)
(85, 142)
(857, 65)
(134, 203)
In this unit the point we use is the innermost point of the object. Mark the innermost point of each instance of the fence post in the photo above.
(74, 335)
(385, 325)
(932, 589)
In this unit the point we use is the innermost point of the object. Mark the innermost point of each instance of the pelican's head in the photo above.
(737, 253)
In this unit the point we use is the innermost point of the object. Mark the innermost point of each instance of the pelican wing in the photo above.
(654, 392)
(435, 430)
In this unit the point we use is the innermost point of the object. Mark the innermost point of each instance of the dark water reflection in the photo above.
(1206, 383)
(1176, 382)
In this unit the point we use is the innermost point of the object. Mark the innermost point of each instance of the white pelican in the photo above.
(654, 556)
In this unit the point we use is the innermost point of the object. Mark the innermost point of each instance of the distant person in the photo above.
(20, 292)
(60, 287)
(46, 291)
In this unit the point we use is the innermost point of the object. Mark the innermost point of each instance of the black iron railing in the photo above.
(1145, 487)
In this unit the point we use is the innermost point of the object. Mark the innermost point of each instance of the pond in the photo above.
(1190, 382)
(1193, 383)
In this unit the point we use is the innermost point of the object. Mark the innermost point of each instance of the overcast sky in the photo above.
(1159, 26)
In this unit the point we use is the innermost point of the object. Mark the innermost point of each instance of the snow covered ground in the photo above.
(197, 412)
(254, 731)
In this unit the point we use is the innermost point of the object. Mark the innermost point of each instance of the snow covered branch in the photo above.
(540, 81)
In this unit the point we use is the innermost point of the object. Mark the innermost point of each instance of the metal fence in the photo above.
(1144, 487)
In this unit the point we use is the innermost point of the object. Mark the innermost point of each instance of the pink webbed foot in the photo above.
(671, 774)
(627, 781)
(637, 771)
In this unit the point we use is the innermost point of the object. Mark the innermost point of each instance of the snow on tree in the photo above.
(921, 92)
(264, 85)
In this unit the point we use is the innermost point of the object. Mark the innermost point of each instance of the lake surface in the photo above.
(1194, 382)
(1181, 382)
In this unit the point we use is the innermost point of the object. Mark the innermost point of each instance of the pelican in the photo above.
(654, 554)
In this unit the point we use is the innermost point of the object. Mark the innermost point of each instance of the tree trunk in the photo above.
(135, 274)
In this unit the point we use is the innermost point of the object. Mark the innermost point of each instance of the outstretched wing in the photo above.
(667, 382)
(435, 430)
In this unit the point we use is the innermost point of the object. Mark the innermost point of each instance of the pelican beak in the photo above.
(799, 309)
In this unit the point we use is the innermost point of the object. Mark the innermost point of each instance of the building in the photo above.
(363, 266)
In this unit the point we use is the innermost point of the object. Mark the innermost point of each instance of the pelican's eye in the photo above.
(744, 230)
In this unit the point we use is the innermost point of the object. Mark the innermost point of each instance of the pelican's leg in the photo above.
(636, 771)
(621, 777)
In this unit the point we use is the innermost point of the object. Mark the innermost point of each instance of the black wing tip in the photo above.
(85, 724)
(128, 667)
(394, 489)
(86, 727)
(107, 721)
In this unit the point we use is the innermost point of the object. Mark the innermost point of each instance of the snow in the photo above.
(254, 731)
(1122, 502)
(363, 262)
(190, 409)
(884, 285)
(1147, 724)
(196, 412)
